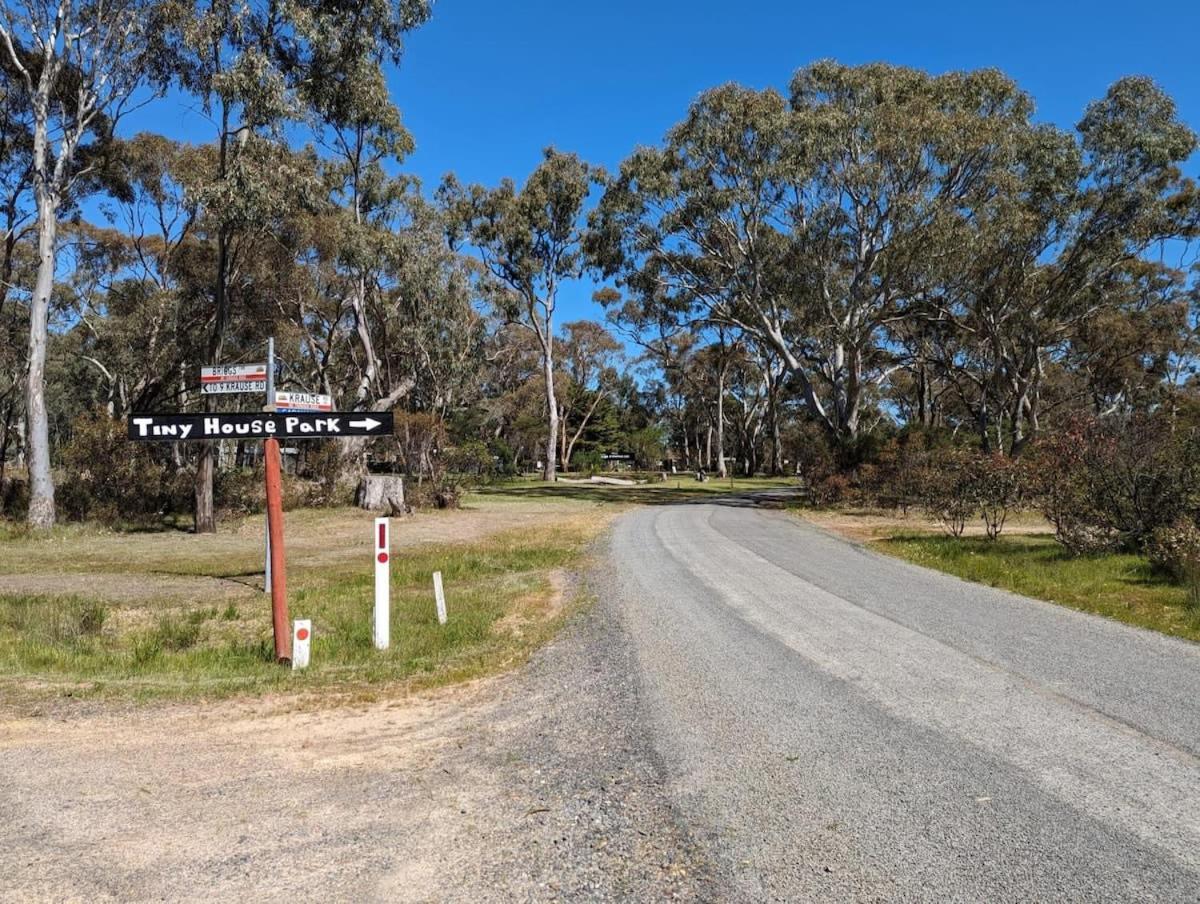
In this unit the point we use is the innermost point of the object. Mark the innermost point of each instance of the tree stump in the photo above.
(381, 493)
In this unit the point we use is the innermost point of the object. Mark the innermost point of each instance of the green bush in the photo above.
(242, 491)
(1110, 484)
(1175, 549)
(109, 479)
(14, 497)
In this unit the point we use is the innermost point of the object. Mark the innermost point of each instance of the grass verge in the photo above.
(503, 594)
(1120, 586)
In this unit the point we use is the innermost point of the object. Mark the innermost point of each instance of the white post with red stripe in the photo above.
(383, 606)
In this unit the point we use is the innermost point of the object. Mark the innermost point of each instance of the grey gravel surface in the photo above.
(839, 726)
(538, 786)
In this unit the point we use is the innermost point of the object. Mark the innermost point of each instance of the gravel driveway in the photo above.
(537, 786)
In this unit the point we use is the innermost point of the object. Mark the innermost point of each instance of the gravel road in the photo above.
(536, 786)
(836, 725)
(753, 711)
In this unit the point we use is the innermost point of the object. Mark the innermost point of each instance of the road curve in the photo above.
(837, 725)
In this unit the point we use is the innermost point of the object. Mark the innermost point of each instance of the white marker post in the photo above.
(440, 597)
(301, 643)
(383, 571)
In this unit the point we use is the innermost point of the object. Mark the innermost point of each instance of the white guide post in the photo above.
(383, 606)
(301, 643)
(440, 597)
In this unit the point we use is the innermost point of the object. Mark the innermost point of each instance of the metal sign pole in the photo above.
(279, 606)
(267, 520)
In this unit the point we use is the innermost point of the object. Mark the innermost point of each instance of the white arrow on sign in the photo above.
(367, 423)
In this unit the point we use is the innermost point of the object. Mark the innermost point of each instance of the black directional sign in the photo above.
(296, 425)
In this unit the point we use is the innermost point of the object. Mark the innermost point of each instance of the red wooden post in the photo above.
(279, 606)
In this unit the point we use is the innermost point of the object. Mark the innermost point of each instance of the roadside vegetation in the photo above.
(165, 614)
(904, 289)
(1122, 586)
(1103, 516)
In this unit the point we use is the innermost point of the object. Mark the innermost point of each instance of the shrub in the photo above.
(1110, 484)
(833, 489)
(999, 485)
(469, 464)
(324, 474)
(947, 489)
(1176, 550)
(589, 461)
(111, 480)
(14, 497)
(241, 491)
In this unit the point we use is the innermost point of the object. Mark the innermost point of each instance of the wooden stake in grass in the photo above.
(439, 597)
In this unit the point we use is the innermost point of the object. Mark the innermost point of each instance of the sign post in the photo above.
(270, 406)
(279, 607)
(149, 428)
(222, 378)
(286, 401)
(383, 572)
(439, 597)
(273, 426)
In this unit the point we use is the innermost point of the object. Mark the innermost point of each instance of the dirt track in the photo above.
(534, 786)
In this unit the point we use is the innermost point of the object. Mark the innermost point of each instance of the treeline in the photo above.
(130, 262)
(951, 304)
(815, 282)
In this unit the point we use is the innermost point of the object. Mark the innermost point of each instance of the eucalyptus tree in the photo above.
(255, 67)
(529, 241)
(1059, 245)
(78, 65)
(803, 224)
(590, 357)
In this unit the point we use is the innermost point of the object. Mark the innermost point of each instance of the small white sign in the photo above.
(301, 643)
(439, 597)
(233, 378)
(302, 401)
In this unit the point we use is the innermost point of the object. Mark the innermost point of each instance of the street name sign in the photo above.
(233, 378)
(297, 425)
(286, 401)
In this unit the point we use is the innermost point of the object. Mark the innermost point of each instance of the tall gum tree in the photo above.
(1059, 246)
(255, 66)
(530, 243)
(79, 64)
(798, 222)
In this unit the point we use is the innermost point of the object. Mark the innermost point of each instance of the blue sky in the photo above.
(485, 85)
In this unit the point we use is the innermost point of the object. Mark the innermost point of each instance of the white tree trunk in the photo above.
(37, 437)
(551, 468)
(721, 469)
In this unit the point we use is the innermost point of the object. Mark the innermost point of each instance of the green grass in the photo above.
(76, 646)
(1119, 586)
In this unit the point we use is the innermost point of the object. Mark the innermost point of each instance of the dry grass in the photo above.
(93, 613)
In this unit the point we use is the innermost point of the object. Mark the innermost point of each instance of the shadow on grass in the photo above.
(668, 493)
